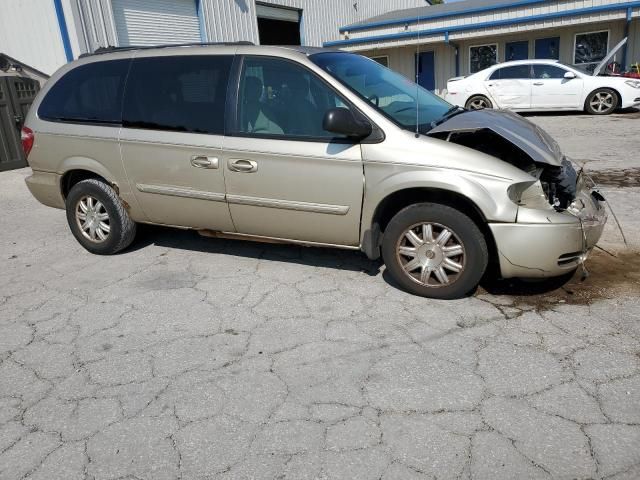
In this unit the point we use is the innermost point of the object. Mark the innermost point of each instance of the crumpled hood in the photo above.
(526, 135)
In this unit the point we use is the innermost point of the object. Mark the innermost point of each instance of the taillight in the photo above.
(27, 137)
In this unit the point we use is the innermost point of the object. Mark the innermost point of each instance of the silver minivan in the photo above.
(307, 146)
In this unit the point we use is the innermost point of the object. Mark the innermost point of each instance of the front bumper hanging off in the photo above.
(548, 243)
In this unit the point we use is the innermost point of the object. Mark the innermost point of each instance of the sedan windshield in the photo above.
(404, 102)
(586, 68)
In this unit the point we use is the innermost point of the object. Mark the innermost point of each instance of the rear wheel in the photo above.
(478, 102)
(98, 219)
(601, 102)
(434, 251)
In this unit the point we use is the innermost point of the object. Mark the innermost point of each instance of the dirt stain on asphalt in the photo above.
(627, 177)
(609, 277)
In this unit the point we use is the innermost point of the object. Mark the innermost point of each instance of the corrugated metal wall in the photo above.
(97, 24)
(496, 15)
(149, 22)
(19, 20)
(29, 28)
(233, 20)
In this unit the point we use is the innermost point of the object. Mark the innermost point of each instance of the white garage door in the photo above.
(155, 22)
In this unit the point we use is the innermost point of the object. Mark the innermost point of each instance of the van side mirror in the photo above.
(569, 75)
(342, 121)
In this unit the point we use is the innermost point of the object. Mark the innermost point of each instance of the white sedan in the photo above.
(530, 85)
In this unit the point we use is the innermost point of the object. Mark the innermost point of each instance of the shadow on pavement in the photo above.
(311, 256)
(609, 276)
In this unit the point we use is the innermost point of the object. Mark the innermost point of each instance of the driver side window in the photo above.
(544, 72)
(281, 99)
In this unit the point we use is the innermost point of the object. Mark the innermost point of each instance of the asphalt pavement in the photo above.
(197, 358)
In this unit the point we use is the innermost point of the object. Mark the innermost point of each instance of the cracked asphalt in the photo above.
(187, 357)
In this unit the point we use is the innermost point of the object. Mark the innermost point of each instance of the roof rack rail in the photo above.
(111, 48)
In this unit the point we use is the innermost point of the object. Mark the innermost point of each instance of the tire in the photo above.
(113, 230)
(428, 258)
(602, 101)
(478, 102)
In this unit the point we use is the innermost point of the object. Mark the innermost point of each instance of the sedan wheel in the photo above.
(478, 102)
(602, 102)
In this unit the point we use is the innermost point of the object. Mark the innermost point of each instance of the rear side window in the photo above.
(512, 73)
(90, 93)
(178, 93)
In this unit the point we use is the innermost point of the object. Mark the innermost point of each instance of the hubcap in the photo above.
(601, 101)
(478, 104)
(92, 219)
(431, 254)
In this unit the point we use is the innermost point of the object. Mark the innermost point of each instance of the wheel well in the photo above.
(618, 96)
(478, 95)
(396, 201)
(70, 178)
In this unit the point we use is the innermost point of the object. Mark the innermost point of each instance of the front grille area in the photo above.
(569, 258)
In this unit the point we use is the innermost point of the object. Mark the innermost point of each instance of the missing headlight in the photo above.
(559, 184)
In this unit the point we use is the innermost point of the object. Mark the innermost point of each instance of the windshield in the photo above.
(586, 68)
(389, 92)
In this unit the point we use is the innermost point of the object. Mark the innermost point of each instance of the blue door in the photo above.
(516, 51)
(548, 48)
(426, 69)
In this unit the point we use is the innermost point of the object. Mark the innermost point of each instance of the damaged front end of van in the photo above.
(561, 214)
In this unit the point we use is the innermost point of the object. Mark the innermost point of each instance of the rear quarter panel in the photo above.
(60, 147)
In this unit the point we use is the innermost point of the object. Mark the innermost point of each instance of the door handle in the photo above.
(201, 161)
(244, 166)
(538, 83)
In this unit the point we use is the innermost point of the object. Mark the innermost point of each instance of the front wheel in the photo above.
(601, 102)
(434, 251)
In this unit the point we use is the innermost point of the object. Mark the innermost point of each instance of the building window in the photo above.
(482, 56)
(590, 48)
(516, 51)
(382, 60)
(548, 48)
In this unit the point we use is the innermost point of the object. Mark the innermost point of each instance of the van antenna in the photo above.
(417, 67)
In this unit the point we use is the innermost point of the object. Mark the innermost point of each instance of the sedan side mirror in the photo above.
(569, 75)
(343, 122)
